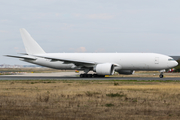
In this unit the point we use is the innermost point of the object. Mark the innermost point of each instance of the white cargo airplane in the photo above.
(101, 63)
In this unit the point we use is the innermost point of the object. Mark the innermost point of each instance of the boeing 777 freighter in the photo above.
(101, 63)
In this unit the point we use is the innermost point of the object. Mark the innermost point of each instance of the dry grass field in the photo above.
(86, 100)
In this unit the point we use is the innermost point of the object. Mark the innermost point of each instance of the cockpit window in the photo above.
(171, 59)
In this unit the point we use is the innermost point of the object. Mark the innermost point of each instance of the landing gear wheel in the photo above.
(94, 75)
(98, 76)
(85, 75)
(161, 76)
(89, 75)
(81, 75)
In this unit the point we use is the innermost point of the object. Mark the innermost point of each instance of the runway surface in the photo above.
(74, 76)
(77, 78)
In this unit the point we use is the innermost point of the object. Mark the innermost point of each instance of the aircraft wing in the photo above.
(23, 57)
(67, 61)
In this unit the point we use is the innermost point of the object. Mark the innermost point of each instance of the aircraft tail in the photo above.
(31, 46)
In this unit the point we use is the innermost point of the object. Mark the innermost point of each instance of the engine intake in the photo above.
(104, 69)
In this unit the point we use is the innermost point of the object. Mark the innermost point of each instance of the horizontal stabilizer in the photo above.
(23, 57)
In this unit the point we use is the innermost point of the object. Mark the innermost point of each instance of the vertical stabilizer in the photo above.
(31, 46)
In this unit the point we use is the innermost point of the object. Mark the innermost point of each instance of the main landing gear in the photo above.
(91, 75)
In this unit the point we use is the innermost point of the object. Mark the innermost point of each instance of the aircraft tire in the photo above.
(81, 76)
(94, 75)
(161, 76)
(89, 75)
(86, 75)
(98, 76)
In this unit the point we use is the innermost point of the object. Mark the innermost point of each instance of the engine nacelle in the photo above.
(126, 72)
(104, 69)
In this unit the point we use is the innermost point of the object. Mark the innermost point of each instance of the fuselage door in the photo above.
(156, 60)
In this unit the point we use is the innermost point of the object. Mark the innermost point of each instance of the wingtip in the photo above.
(6, 55)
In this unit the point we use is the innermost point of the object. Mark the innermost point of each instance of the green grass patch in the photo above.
(109, 105)
(89, 93)
(121, 94)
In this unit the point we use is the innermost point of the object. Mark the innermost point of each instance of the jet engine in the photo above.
(104, 69)
(126, 72)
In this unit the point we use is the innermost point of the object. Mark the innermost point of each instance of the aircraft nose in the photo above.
(175, 63)
(172, 64)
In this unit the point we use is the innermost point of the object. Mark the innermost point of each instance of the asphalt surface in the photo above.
(3, 77)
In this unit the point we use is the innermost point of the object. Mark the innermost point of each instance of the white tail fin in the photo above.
(31, 46)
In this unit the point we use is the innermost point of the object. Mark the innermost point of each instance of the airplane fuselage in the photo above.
(125, 61)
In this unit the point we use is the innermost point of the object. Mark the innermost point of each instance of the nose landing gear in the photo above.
(161, 73)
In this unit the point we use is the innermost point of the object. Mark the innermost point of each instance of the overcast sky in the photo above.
(90, 26)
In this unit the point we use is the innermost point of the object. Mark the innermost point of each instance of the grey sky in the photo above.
(91, 26)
